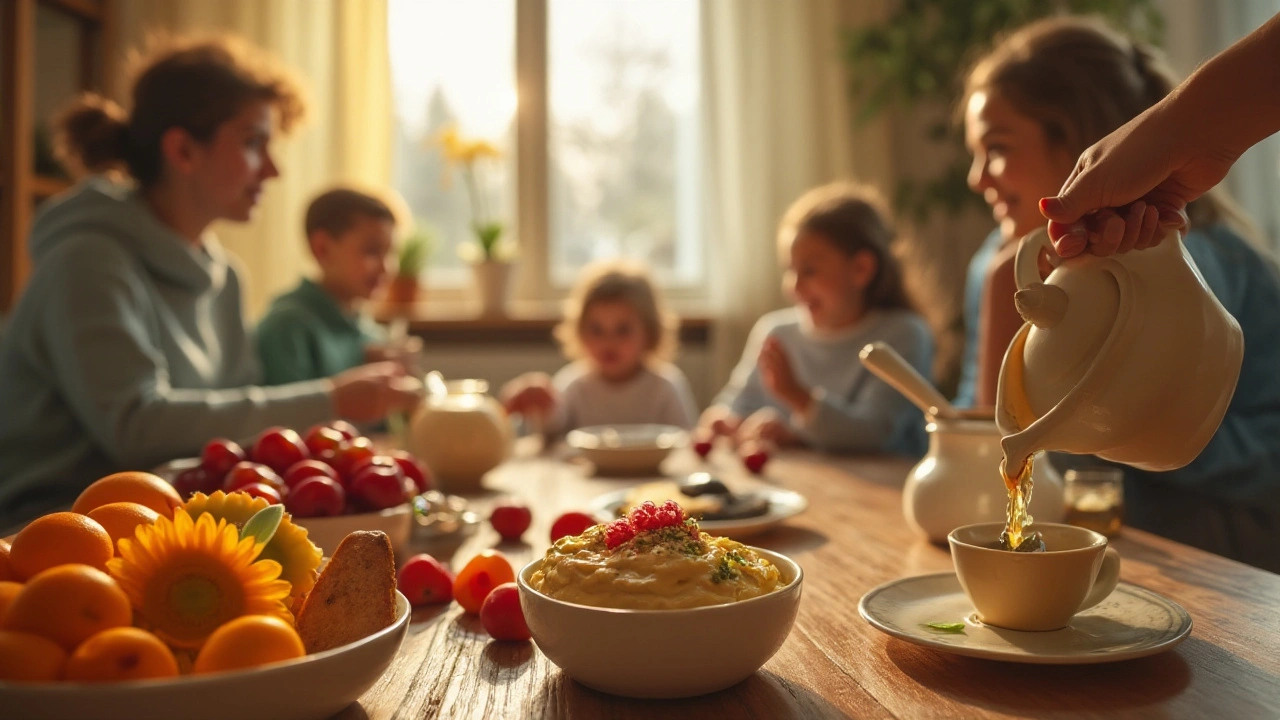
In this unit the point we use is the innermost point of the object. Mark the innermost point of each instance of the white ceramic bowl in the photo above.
(626, 450)
(663, 653)
(309, 688)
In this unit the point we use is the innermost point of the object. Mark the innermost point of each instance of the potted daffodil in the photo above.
(491, 254)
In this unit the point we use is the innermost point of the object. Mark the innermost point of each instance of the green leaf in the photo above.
(952, 628)
(262, 526)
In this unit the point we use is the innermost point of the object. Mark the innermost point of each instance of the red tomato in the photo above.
(502, 616)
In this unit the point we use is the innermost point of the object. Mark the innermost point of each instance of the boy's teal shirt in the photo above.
(306, 336)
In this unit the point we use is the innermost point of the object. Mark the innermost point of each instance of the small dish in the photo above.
(1132, 622)
(626, 450)
(783, 504)
(309, 688)
(663, 653)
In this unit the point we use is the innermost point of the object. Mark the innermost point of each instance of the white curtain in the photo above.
(779, 122)
(338, 51)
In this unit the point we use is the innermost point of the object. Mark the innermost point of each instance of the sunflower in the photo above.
(186, 578)
(297, 555)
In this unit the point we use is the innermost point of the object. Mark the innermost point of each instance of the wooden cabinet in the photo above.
(49, 51)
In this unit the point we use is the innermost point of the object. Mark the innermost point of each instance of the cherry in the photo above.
(264, 491)
(315, 496)
(304, 469)
(571, 523)
(501, 614)
(196, 480)
(414, 469)
(352, 454)
(247, 473)
(279, 448)
(349, 431)
(424, 581)
(322, 438)
(511, 520)
(220, 455)
(377, 487)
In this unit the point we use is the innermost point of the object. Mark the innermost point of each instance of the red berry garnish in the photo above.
(618, 532)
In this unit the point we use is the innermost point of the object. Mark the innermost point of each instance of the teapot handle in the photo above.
(1026, 264)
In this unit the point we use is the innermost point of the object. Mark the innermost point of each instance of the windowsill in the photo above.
(526, 324)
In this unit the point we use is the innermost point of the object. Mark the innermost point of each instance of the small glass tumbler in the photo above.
(1095, 499)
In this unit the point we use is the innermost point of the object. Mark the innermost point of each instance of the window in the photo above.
(620, 138)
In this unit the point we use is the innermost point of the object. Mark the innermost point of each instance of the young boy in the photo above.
(315, 330)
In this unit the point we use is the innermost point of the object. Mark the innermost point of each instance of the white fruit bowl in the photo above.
(309, 688)
(626, 450)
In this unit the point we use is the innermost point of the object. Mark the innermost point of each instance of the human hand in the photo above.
(765, 426)
(531, 395)
(371, 392)
(407, 353)
(1131, 189)
(779, 379)
(719, 420)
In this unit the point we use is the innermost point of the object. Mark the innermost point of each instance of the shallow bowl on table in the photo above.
(626, 450)
(663, 653)
(309, 688)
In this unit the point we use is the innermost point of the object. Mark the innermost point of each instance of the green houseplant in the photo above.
(918, 55)
(411, 259)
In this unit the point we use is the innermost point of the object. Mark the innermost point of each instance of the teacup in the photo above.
(1033, 591)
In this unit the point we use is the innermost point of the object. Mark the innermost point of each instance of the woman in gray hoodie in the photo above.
(129, 346)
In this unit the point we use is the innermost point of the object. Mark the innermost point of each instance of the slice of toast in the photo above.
(355, 595)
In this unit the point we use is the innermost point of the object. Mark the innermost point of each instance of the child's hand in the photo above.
(719, 420)
(766, 426)
(531, 395)
(371, 392)
(779, 379)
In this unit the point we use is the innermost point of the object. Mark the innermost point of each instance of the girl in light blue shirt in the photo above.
(800, 380)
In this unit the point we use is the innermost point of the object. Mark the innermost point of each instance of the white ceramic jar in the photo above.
(958, 482)
(461, 435)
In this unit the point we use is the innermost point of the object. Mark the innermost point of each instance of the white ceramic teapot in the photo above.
(1130, 358)
(461, 434)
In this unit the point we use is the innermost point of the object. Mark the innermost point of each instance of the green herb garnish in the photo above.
(953, 628)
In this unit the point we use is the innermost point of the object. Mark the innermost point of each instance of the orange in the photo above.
(121, 519)
(123, 653)
(30, 658)
(6, 567)
(249, 641)
(68, 604)
(8, 591)
(136, 487)
(59, 539)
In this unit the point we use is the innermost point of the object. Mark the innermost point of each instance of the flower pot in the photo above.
(493, 284)
(403, 290)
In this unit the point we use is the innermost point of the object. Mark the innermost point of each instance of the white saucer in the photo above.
(782, 505)
(1133, 622)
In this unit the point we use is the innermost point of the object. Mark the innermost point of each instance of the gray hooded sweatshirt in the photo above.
(127, 349)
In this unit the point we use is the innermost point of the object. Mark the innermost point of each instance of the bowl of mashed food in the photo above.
(648, 606)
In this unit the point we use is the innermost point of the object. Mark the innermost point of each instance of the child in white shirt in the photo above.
(620, 339)
(800, 380)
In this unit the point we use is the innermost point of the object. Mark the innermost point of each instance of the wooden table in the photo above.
(834, 664)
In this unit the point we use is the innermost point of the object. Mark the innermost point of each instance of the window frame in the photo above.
(534, 291)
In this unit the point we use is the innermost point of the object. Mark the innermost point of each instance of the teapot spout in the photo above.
(1041, 305)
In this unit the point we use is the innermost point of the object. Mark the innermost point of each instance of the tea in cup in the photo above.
(1033, 590)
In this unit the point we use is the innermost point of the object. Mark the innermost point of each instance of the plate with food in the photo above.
(721, 508)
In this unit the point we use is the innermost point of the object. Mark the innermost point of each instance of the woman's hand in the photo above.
(779, 379)
(371, 392)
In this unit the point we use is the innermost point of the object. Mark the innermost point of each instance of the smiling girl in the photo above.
(1041, 97)
(800, 380)
(129, 346)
